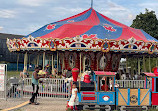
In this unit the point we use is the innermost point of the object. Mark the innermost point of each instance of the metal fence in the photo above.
(48, 87)
(55, 88)
(133, 83)
(2, 95)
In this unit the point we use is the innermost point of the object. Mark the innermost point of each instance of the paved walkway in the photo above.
(45, 104)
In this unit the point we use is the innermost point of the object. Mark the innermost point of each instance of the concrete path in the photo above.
(45, 104)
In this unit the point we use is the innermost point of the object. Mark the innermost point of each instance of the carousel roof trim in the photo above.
(86, 31)
(82, 44)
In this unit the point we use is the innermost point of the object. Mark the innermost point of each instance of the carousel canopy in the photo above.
(91, 24)
(89, 31)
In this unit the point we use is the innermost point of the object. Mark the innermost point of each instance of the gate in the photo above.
(48, 88)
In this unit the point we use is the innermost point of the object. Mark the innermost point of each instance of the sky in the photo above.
(22, 17)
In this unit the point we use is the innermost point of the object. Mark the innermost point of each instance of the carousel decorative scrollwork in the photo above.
(79, 43)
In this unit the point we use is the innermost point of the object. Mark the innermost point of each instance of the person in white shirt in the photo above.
(74, 98)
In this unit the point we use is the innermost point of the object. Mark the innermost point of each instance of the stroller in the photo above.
(13, 84)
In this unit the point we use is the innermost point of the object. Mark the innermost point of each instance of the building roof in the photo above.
(10, 36)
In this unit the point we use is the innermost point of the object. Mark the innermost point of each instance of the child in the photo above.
(24, 74)
(74, 98)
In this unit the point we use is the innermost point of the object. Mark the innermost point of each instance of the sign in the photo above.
(2, 76)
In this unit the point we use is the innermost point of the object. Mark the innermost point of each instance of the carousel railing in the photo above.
(48, 87)
(133, 84)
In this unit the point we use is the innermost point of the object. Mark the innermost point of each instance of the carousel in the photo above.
(88, 39)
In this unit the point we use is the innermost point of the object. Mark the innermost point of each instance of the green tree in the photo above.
(148, 22)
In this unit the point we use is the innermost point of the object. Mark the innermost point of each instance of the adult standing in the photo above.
(35, 86)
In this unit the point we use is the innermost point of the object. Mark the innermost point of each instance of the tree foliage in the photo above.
(148, 22)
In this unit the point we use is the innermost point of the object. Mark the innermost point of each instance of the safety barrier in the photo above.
(132, 83)
(55, 88)
(48, 87)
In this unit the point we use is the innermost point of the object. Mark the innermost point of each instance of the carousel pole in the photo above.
(43, 59)
(138, 66)
(84, 63)
(97, 64)
(52, 64)
(37, 60)
(17, 60)
(25, 61)
(57, 61)
(103, 62)
(156, 61)
(126, 64)
(149, 64)
(49, 59)
(29, 62)
(63, 64)
(144, 63)
(80, 63)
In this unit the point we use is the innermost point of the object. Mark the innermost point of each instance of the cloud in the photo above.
(1, 28)
(33, 27)
(114, 6)
(33, 3)
(29, 15)
(150, 6)
(64, 10)
(117, 12)
(4, 13)
(131, 16)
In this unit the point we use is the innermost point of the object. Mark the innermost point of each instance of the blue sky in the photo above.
(25, 16)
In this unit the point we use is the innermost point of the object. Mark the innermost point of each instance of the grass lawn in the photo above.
(15, 74)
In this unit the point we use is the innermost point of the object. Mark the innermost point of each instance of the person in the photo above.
(117, 76)
(123, 76)
(35, 86)
(74, 98)
(136, 76)
(103, 88)
(64, 74)
(87, 79)
(46, 69)
(24, 74)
